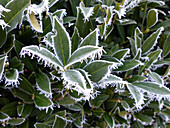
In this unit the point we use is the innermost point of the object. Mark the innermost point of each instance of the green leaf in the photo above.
(10, 109)
(156, 77)
(166, 46)
(3, 117)
(134, 78)
(120, 54)
(25, 85)
(153, 56)
(12, 76)
(27, 110)
(109, 119)
(98, 112)
(42, 54)
(20, 109)
(90, 39)
(151, 41)
(3, 38)
(10, 43)
(152, 18)
(126, 21)
(15, 63)
(14, 17)
(42, 102)
(59, 122)
(34, 22)
(153, 88)
(128, 65)
(97, 102)
(52, 2)
(133, 46)
(144, 118)
(43, 83)
(16, 121)
(62, 42)
(164, 24)
(66, 101)
(75, 40)
(83, 53)
(41, 125)
(2, 64)
(98, 69)
(138, 96)
(76, 107)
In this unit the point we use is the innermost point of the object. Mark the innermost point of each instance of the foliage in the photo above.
(84, 63)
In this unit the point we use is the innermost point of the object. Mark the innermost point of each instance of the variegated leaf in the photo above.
(62, 42)
(83, 53)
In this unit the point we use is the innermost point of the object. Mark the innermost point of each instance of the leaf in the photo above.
(120, 54)
(10, 109)
(134, 78)
(90, 39)
(52, 2)
(42, 102)
(83, 53)
(66, 101)
(62, 42)
(75, 40)
(153, 56)
(16, 121)
(133, 46)
(98, 112)
(164, 24)
(20, 109)
(2, 64)
(151, 41)
(126, 21)
(157, 78)
(98, 69)
(12, 76)
(137, 95)
(98, 101)
(34, 22)
(110, 121)
(153, 88)
(25, 85)
(144, 118)
(152, 18)
(42, 54)
(128, 65)
(27, 110)
(43, 83)
(14, 17)
(166, 46)
(41, 125)
(59, 122)
(15, 63)
(4, 117)
(3, 38)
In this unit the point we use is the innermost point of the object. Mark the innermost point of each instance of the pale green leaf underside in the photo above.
(42, 53)
(62, 42)
(14, 17)
(83, 53)
(153, 88)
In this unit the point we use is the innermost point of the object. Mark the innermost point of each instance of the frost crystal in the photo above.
(2, 22)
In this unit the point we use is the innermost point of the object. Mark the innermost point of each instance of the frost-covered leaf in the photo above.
(152, 18)
(62, 42)
(164, 24)
(16, 121)
(137, 95)
(126, 21)
(90, 39)
(128, 65)
(4, 117)
(15, 16)
(145, 119)
(157, 78)
(75, 40)
(43, 54)
(10, 109)
(76, 81)
(166, 46)
(48, 39)
(152, 57)
(20, 109)
(125, 105)
(99, 69)
(11, 77)
(83, 53)
(41, 125)
(102, 29)
(138, 54)
(42, 102)
(52, 2)
(3, 38)
(134, 78)
(15, 63)
(110, 120)
(151, 41)
(66, 101)
(34, 22)
(59, 122)
(151, 87)
(120, 54)
(43, 83)
(86, 11)
(133, 45)
(2, 64)
(60, 14)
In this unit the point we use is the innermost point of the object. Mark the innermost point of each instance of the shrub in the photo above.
(84, 63)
